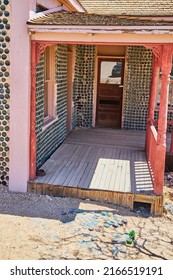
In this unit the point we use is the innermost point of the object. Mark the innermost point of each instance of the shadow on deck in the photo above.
(100, 164)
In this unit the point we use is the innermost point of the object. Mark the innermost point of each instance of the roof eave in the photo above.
(101, 29)
(73, 5)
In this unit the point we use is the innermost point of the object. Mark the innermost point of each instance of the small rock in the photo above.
(118, 235)
(95, 252)
(122, 242)
(106, 225)
(86, 234)
(48, 197)
(122, 250)
(169, 177)
(109, 214)
(103, 245)
(104, 213)
(97, 229)
(115, 240)
(167, 203)
(121, 223)
(117, 246)
(77, 229)
(91, 229)
(96, 216)
(94, 239)
(114, 252)
(83, 246)
(131, 252)
(124, 221)
(93, 235)
(115, 225)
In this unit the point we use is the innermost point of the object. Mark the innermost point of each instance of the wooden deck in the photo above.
(100, 159)
(100, 164)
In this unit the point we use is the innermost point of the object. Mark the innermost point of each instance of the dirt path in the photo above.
(42, 227)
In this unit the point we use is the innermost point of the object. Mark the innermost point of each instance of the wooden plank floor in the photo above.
(100, 159)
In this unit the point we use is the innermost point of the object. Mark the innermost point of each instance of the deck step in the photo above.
(118, 198)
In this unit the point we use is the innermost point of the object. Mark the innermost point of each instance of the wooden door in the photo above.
(109, 92)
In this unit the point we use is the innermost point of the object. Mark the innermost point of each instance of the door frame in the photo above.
(70, 77)
(96, 83)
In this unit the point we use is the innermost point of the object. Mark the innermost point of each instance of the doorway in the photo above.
(110, 92)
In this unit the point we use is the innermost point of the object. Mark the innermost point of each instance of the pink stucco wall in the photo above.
(20, 95)
(20, 11)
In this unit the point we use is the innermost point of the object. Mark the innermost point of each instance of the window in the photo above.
(170, 97)
(49, 84)
(40, 8)
(111, 72)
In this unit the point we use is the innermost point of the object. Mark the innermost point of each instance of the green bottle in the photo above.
(129, 241)
(132, 234)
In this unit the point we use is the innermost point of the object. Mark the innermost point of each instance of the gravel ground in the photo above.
(50, 228)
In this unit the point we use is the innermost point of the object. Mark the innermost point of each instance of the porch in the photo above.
(100, 164)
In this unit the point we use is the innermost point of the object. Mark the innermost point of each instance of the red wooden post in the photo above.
(37, 48)
(152, 99)
(32, 167)
(162, 122)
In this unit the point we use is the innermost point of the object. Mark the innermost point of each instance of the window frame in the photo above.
(49, 86)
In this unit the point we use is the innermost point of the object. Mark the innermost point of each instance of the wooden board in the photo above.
(107, 162)
(118, 198)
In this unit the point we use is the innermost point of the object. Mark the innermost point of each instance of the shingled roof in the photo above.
(129, 7)
(82, 19)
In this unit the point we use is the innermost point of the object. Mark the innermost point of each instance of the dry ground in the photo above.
(48, 228)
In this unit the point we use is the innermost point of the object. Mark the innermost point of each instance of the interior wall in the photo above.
(137, 87)
(83, 86)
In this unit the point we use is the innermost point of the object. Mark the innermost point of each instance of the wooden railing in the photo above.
(170, 150)
(151, 143)
(156, 155)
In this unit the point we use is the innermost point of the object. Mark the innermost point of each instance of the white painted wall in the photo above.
(20, 95)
